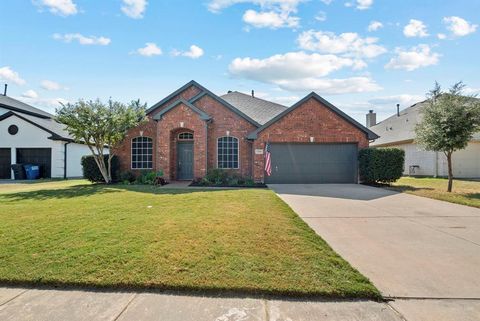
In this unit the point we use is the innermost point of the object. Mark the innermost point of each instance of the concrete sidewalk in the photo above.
(75, 305)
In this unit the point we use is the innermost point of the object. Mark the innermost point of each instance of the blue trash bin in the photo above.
(32, 171)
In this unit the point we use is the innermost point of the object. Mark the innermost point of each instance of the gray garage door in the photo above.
(313, 163)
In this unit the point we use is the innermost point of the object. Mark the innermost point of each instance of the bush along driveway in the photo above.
(248, 241)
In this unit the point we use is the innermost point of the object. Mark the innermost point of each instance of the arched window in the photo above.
(142, 150)
(185, 136)
(227, 152)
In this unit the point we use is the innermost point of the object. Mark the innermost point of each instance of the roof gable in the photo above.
(172, 95)
(203, 91)
(312, 95)
(202, 114)
(54, 136)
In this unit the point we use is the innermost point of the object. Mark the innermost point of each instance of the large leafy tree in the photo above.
(99, 125)
(449, 121)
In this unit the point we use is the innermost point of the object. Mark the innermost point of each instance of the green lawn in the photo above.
(248, 241)
(464, 192)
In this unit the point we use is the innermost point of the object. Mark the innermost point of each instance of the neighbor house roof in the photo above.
(34, 116)
(256, 108)
(398, 129)
(18, 106)
(368, 132)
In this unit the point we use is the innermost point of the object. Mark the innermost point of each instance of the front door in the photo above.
(185, 160)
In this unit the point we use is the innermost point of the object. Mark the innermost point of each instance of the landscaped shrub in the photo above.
(92, 173)
(224, 177)
(217, 176)
(146, 178)
(381, 165)
(127, 177)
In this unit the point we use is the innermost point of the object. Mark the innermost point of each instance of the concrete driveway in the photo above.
(423, 253)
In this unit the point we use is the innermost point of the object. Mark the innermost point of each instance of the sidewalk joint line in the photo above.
(16, 296)
(126, 306)
(429, 298)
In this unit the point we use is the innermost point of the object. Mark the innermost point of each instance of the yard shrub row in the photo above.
(381, 165)
(224, 177)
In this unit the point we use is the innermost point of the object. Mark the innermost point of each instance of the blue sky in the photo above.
(358, 54)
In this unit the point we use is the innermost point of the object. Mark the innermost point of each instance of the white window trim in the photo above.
(183, 139)
(131, 153)
(238, 152)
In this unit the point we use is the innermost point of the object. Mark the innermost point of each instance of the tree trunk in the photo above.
(450, 172)
(109, 167)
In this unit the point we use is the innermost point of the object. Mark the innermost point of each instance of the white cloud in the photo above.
(299, 71)
(81, 39)
(30, 94)
(404, 100)
(331, 86)
(364, 4)
(458, 26)
(348, 43)
(7, 74)
(415, 57)
(415, 28)
(441, 36)
(327, 2)
(471, 91)
(134, 8)
(321, 16)
(374, 26)
(47, 104)
(270, 19)
(274, 14)
(51, 85)
(150, 49)
(292, 65)
(194, 52)
(59, 7)
(284, 5)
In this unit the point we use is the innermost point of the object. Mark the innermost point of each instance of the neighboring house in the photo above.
(193, 130)
(399, 131)
(31, 135)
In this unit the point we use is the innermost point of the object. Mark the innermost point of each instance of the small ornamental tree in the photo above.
(101, 125)
(449, 121)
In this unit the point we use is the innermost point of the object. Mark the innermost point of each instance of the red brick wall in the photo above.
(123, 150)
(168, 128)
(226, 120)
(311, 119)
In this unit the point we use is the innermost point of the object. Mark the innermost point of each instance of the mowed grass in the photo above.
(240, 241)
(464, 192)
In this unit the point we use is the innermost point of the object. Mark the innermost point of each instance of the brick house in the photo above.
(193, 130)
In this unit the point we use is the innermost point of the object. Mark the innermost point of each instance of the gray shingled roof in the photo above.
(258, 109)
(21, 106)
(396, 129)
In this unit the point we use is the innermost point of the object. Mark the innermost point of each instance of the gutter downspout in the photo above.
(65, 160)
